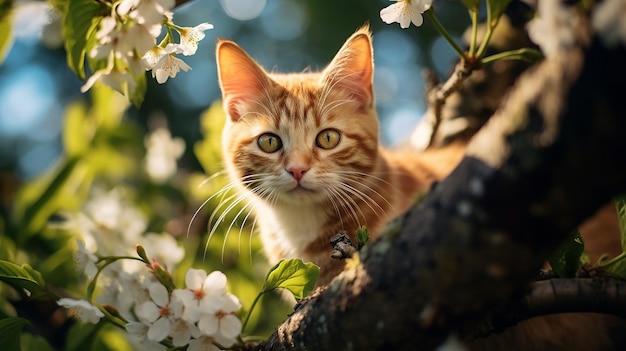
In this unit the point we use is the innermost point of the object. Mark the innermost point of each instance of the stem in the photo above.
(525, 54)
(107, 261)
(613, 260)
(474, 17)
(256, 299)
(431, 15)
(113, 319)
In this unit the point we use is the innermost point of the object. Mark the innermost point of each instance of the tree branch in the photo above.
(597, 295)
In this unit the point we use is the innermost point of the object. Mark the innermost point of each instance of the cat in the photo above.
(303, 148)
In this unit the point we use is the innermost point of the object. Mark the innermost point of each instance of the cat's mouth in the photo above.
(299, 188)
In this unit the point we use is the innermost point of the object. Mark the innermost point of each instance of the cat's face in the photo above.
(300, 138)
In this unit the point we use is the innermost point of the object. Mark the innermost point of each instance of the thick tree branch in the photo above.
(551, 156)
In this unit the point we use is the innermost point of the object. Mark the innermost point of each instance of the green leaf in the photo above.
(6, 36)
(566, 259)
(496, 9)
(24, 277)
(34, 342)
(10, 332)
(615, 266)
(620, 205)
(472, 5)
(37, 213)
(524, 54)
(293, 275)
(80, 24)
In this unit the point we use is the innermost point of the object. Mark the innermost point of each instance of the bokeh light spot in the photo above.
(26, 96)
(243, 9)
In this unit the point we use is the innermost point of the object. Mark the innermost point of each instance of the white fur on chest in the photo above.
(290, 227)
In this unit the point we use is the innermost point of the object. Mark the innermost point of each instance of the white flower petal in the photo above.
(159, 330)
(216, 281)
(148, 311)
(203, 343)
(208, 324)
(230, 326)
(136, 328)
(82, 310)
(159, 294)
(194, 278)
(230, 303)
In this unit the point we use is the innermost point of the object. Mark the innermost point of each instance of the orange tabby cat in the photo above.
(304, 149)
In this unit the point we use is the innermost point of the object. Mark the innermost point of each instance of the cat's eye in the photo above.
(269, 142)
(328, 139)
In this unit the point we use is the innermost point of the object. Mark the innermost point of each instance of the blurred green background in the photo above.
(283, 35)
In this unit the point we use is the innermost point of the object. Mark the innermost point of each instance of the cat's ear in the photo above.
(242, 80)
(352, 69)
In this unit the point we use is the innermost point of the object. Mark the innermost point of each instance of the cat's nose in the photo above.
(297, 172)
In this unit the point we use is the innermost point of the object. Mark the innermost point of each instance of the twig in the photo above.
(437, 96)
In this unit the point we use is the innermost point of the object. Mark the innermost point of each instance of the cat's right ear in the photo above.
(242, 80)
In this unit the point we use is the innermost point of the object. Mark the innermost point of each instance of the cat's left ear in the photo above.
(352, 69)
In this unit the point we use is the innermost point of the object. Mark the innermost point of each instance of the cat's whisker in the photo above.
(246, 180)
(331, 198)
(243, 224)
(231, 226)
(349, 204)
(212, 177)
(359, 182)
(197, 211)
(251, 232)
(220, 219)
(365, 198)
(359, 177)
(337, 103)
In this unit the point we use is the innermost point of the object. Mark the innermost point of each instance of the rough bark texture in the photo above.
(551, 156)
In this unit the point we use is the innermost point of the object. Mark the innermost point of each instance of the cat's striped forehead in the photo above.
(302, 101)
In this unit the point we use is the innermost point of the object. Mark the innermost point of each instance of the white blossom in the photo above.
(405, 12)
(219, 319)
(169, 65)
(82, 310)
(200, 287)
(189, 37)
(85, 260)
(160, 312)
(147, 12)
(162, 153)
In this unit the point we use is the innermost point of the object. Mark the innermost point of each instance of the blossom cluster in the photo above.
(201, 316)
(140, 290)
(127, 44)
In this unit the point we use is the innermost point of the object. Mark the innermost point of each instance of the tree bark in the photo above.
(550, 156)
